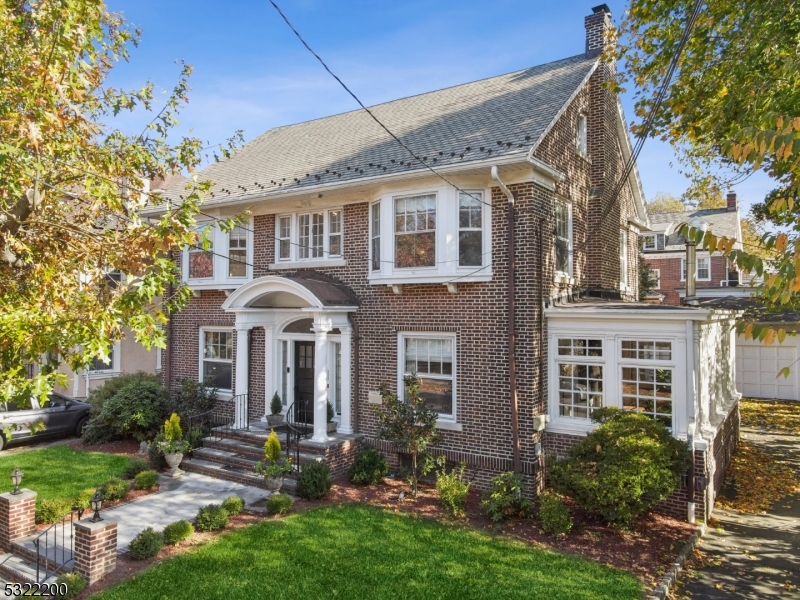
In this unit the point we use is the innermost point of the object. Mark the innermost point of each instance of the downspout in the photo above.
(541, 322)
(354, 389)
(168, 365)
(692, 417)
(512, 325)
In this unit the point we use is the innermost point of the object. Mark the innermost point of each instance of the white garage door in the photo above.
(757, 367)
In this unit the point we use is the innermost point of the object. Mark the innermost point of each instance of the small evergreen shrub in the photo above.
(146, 544)
(75, 583)
(275, 405)
(115, 489)
(82, 499)
(211, 518)
(279, 504)
(49, 511)
(314, 481)
(554, 514)
(177, 532)
(369, 468)
(331, 412)
(272, 447)
(453, 489)
(145, 480)
(623, 468)
(233, 504)
(506, 499)
(136, 466)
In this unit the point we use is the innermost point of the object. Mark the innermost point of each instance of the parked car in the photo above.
(60, 415)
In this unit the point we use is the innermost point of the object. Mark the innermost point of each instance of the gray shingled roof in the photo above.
(455, 125)
(720, 223)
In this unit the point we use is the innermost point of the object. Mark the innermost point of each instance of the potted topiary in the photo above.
(275, 407)
(331, 422)
(273, 467)
(174, 446)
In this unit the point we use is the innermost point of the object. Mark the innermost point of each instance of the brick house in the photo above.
(361, 264)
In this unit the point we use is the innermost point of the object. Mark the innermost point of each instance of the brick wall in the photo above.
(17, 517)
(670, 269)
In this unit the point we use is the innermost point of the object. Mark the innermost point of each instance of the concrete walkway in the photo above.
(753, 556)
(177, 499)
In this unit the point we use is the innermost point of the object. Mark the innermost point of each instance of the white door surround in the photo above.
(273, 302)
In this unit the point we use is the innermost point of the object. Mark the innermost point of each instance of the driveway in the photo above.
(753, 555)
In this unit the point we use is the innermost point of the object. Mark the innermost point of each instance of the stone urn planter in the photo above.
(273, 484)
(332, 426)
(173, 461)
(275, 420)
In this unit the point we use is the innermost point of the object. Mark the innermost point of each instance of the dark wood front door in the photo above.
(304, 381)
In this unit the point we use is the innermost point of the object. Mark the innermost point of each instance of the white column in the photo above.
(322, 325)
(345, 419)
(242, 364)
(270, 383)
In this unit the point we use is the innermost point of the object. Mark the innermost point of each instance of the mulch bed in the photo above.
(127, 447)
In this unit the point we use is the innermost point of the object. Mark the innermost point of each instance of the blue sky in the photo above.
(251, 73)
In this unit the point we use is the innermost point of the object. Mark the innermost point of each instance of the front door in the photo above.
(304, 381)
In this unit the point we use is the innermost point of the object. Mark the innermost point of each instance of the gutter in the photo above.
(512, 358)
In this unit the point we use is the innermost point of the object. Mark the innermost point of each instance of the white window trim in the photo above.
(645, 237)
(446, 268)
(561, 276)
(294, 261)
(582, 135)
(116, 364)
(436, 233)
(624, 274)
(633, 363)
(696, 269)
(658, 278)
(559, 359)
(381, 235)
(459, 229)
(201, 352)
(449, 422)
(221, 250)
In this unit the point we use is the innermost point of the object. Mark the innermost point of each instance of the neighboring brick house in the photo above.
(360, 265)
(665, 252)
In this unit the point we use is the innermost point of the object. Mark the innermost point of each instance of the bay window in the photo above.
(470, 229)
(415, 231)
(237, 252)
(375, 235)
(431, 358)
(218, 258)
(201, 254)
(216, 358)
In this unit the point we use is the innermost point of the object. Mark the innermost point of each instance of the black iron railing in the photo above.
(55, 546)
(216, 424)
(295, 431)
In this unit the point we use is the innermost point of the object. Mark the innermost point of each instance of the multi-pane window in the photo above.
(217, 367)
(470, 229)
(579, 347)
(311, 235)
(623, 257)
(376, 236)
(581, 136)
(415, 231)
(431, 360)
(646, 350)
(648, 241)
(655, 277)
(237, 252)
(284, 371)
(335, 233)
(285, 238)
(337, 378)
(580, 389)
(201, 254)
(648, 390)
(563, 238)
(98, 364)
(703, 272)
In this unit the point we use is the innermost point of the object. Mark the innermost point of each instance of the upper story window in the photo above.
(470, 229)
(582, 136)
(648, 241)
(237, 252)
(201, 254)
(623, 258)
(309, 236)
(219, 258)
(703, 272)
(415, 231)
(375, 235)
(563, 238)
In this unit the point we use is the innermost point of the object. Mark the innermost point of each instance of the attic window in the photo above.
(648, 241)
(581, 136)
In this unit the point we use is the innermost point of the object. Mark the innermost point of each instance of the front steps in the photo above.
(19, 566)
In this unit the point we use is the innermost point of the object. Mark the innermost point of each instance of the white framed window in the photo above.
(470, 229)
(646, 350)
(703, 272)
(649, 242)
(336, 384)
(375, 235)
(655, 276)
(562, 238)
(582, 136)
(647, 388)
(284, 235)
(98, 365)
(218, 258)
(201, 253)
(216, 357)
(237, 252)
(580, 377)
(432, 358)
(415, 231)
(335, 233)
(623, 259)
(313, 236)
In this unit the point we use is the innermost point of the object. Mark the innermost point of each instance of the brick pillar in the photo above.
(17, 516)
(95, 548)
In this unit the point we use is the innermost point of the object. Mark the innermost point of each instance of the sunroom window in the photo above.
(648, 390)
(580, 382)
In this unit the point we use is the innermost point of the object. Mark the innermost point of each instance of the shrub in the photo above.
(146, 544)
(82, 499)
(154, 454)
(98, 396)
(331, 412)
(233, 504)
(211, 517)
(275, 405)
(135, 411)
(314, 481)
(145, 480)
(115, 489)
(48, 511)
(75, 583)
(623, 468)
(272, 447)
(369, 468)
(136, 466)
(554, 514)
(177, 532)
(507, 498)
(193, 398)
(279, 504)
(453, 489)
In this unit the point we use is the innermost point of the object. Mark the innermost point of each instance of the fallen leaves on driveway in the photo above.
(771, 416)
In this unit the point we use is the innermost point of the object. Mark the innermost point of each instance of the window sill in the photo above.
(215, 285)
(449, 425)
(563, 278)
(570, 426)
(432, 277)
(104, 374)
(308, 264)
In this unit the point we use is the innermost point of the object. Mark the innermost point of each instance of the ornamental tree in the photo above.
(72, 193)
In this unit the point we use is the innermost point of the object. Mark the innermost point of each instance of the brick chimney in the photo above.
(596, 25)
(733, 206)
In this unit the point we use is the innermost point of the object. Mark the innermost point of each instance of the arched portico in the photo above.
(273, 302)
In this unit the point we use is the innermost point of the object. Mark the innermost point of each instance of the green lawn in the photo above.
(59, 472)
(362, 553)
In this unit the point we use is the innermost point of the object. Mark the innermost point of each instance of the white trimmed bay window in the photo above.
(218, 258)
(216, 358)
(431, 357)
(580, 377)
(311, 237)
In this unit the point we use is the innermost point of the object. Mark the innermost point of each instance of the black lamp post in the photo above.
(95, 503)
(16, 479)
